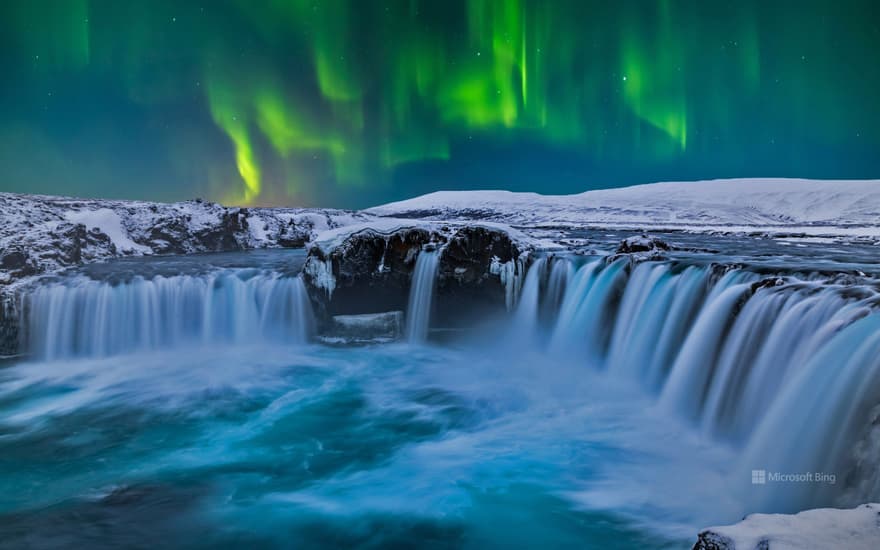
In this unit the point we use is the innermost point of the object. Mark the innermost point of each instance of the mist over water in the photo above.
(331, 446)
(619, 407)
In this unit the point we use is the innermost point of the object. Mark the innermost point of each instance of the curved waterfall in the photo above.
(786, 370)
(89, 318)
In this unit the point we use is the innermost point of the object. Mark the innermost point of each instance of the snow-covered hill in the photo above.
(812, 207)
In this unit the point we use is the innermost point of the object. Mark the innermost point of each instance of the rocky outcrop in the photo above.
(369, 269)
(482, 267)
(854, 529)
(641, 248)
(366, 272)
(44, 234)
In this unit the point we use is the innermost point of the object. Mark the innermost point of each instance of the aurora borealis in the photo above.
(352, 103)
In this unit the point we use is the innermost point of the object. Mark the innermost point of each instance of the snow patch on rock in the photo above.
(330, 240)
(109, 223)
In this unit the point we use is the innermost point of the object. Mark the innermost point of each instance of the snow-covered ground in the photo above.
(823, 528)
(40, 234)
(846, 209)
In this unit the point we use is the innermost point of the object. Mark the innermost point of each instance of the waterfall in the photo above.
(525, 318)
(695, 365)
(561, 273)
(821, 408)
(421, 296)
(765, 365)
(587, 311)
(88, 318)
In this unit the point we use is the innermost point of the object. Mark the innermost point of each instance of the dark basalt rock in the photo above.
(641, 248)
(372, 272)
(13, 260)
(175, 235)
(9, 318)
(74, 244)
(708, 540)
(18, 263)
(465, 285)
(227, 235)
(641, 243)
(769, 282)
(292, 236)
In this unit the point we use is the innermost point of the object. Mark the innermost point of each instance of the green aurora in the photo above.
(352, 103)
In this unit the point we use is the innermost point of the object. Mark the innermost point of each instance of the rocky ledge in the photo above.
(368, 268)
(641, 248)
(853, 529)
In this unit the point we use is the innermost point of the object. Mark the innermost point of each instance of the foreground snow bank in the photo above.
(812, 207)
(854, 529)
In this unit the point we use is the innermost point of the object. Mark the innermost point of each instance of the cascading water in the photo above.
(587, 311)
(561, 272)
(658, 387)
(89, 318)
(811, 425)
(760, 364)
(421, 296)
(525, 318)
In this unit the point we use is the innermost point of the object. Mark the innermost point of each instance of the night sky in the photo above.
(359, 102)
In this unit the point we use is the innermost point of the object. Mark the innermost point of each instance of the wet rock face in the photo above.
(470, 250)
(371, 272)
(8, 326)
(768, 282)
(465, 280)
